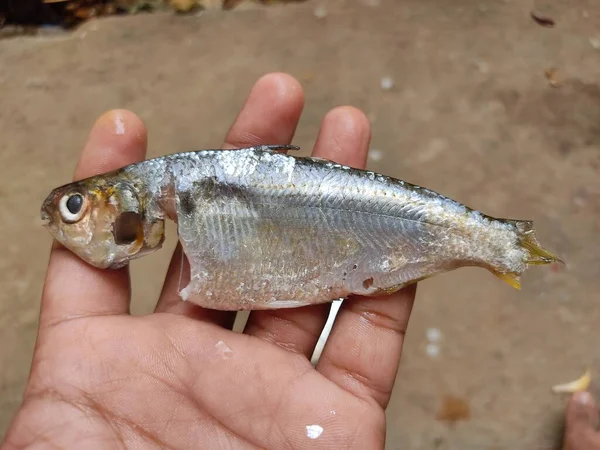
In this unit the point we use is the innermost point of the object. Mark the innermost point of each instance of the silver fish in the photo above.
(263, 229)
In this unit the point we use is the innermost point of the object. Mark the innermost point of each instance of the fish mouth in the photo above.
(45, 218)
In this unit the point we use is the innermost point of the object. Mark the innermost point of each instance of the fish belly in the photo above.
(284, 253)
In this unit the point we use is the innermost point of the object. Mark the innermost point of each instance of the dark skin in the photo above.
(581, 423)
(102, 378)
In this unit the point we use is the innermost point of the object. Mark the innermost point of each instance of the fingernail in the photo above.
(583, 398)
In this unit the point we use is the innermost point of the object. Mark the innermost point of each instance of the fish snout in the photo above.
(45, 218)
(46, 211)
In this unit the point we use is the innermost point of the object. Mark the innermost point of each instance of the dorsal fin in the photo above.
(274, 148)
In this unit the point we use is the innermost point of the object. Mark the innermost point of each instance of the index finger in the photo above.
(74, 288)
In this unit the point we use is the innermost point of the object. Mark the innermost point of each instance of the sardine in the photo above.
(265, 229)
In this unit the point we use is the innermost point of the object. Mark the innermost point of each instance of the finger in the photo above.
(344, 137)
(269, 116)
(363, 351)
(73, 288)
(581, 423)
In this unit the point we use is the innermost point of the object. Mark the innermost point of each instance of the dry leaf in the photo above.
(184, 6)
(551, 75)
(579, 385)
(454, 409)
(542, 20)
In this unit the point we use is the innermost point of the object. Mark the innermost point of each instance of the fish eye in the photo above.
(72, 207)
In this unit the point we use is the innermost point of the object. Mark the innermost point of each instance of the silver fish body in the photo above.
(263, 229)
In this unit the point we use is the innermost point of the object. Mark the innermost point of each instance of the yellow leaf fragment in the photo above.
(184, 6)
(578, 385)
(552, 76)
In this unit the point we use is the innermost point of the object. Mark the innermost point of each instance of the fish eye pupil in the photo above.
(74, 203)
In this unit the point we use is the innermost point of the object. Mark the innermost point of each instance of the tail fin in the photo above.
(528, 241)
(536, 255)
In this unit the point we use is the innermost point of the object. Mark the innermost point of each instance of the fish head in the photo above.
(102, 220)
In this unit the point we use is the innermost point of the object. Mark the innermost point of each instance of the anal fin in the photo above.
(511, 278)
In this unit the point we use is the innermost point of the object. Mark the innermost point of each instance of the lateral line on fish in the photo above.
(370, 213)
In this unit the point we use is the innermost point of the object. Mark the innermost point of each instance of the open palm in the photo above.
(180, 378)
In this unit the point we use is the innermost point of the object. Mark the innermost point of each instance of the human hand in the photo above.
(582, 420)
(180, 378)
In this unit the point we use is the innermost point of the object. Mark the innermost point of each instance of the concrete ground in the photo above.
(471, 114)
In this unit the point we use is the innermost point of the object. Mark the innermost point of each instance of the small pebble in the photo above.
(387, 83)
(595, 41)
(375, 154)
(433, 334)
(433, 350)
(483, 67)
(579, 201)
(37, 82)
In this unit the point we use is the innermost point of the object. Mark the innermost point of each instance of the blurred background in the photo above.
(495, 103)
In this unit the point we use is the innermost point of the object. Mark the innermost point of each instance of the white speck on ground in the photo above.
(37, 82)
(433, 334)
(579, 201)
(313, 431)
(320, 12)
(430, 152)
(387, 83)
(483, 66)
(375, 154)
(226, 352)
(332, 412)
(595, 41)
(433, 350)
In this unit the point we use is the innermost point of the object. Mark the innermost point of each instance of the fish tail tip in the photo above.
(541, 256)
(536, 254)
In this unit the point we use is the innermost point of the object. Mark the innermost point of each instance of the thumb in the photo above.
(581, 422)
